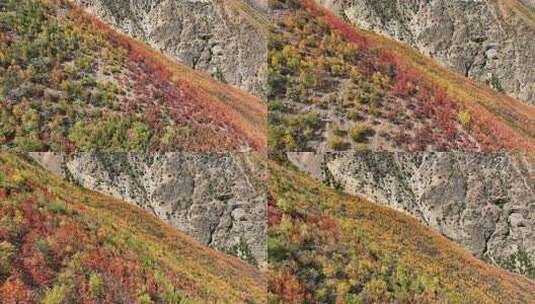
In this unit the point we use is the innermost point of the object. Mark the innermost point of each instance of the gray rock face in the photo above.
(485, 202)
(214, 36)
(479, 39)
(218, 199)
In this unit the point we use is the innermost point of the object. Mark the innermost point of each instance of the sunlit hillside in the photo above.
(328, 247)
(60, 243)
(70, 83)
(334, 87)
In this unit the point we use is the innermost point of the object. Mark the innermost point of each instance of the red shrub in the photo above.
(14, 291)
(324, 223)
(274, 213)
(335, 22)
(3, 194)
(286, 286)
(35, 220)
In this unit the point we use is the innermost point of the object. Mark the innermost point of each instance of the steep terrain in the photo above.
(329, 247)
(491, 41)
(218, 199)
(226, 39)
(60, 243)
(69, 82)
(332, 87)
(485, 202)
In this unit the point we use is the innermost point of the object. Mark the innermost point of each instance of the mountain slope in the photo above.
(90, 88)
(226, 39)
(485, 40)
(61, 243)
(329, 247)
(481, 201)
(333, 87)
(218, 199)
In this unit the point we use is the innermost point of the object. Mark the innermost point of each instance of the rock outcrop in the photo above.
(485, 202)
(226, 39)
(491, 41)
(218, 199)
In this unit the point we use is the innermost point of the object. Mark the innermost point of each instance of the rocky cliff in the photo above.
(491, 41)
(218, 199)
(485, 202)
(226, 39)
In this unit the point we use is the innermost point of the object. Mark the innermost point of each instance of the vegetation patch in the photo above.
(317, 63)
(62, 244)
(328, 247)
(70, 83)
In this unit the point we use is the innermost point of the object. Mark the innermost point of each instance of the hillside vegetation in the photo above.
(333, 87)
(328, 247)
(62, 244)
(68, 82)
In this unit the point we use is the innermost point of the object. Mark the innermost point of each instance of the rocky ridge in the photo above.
(226, 39)
(485, 202)
(491, 41)
(218, 199)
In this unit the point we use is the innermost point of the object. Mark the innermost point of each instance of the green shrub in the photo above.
(59, 207)
(520, 261)
(495, 83)
(29, 143)
(376, 290)
(359, 132)
(56, 295)
(144, 299)
(96, 285)
(6, 252)
(219, 76)
(140, 136)
(276, 251)
(337, 143)
(464, 118)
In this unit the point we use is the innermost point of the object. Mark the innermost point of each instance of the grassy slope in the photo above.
(165, 105)
(516, 116)
(329, 247)
(245, 111)
(495, 120)
(248, 110)
(59, 241)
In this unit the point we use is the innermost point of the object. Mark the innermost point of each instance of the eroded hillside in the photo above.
(482, 201)
(491, 41)
(60, 243)
(226, 39)
(218, 199)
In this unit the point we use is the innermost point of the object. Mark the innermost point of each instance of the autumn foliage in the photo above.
(409, 107)
(328, 247)
(62, 244)
(91, 88)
